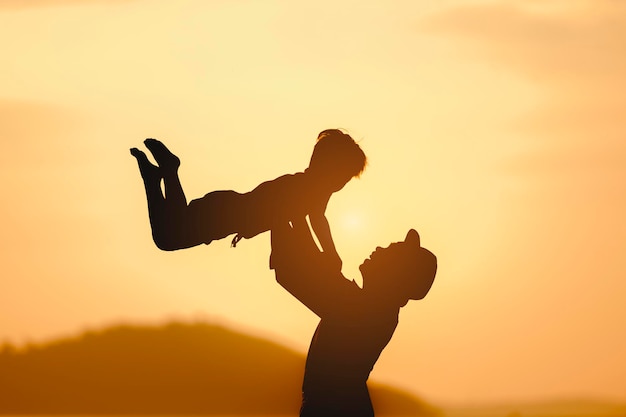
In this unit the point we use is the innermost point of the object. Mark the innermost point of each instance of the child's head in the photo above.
(337, 158)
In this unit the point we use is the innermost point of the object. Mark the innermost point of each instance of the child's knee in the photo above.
(165, 242)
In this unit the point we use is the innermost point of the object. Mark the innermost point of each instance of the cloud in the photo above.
(556, 47)
(29, 4)
(576, 56)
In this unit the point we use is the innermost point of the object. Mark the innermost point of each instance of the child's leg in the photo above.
(157, 211)
(173, 225)
(168, 164)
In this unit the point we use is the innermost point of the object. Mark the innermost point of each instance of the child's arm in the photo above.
(320, 226)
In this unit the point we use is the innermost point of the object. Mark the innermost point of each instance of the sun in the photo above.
(351, 221)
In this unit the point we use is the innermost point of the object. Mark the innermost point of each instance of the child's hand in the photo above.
(334, 260)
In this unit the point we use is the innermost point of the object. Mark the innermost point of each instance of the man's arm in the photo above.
(303, 271)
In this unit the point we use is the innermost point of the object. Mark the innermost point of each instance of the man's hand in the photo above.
(304, 271)
(292, 245)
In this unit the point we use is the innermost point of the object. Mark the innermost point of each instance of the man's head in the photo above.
(402, 271)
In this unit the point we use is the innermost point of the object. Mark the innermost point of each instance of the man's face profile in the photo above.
(385, 264)
(404, 268)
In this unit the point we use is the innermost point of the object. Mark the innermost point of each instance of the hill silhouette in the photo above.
(178, 368)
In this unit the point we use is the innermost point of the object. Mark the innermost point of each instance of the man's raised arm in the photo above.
(302, 270)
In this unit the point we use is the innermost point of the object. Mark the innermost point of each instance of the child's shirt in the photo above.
(288, 197)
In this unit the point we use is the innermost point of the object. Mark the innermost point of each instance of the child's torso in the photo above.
(282, 199)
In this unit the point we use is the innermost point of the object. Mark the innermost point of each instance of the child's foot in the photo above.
(167, 161)
(146, 168)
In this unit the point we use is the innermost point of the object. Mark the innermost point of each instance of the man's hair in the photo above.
(417, 267)
(335, 148)
(424, 270)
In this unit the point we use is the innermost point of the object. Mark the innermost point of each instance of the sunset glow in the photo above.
(494, 128)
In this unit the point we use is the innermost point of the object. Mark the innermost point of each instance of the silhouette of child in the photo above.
(336, 159)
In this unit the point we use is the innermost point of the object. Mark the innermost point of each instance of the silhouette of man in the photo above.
(355, 323)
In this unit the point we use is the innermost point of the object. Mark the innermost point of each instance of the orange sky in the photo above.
(496, 129)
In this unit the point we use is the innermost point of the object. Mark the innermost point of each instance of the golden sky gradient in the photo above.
(495, 128)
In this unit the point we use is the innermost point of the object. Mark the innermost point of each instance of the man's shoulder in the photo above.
(346, 289)
(353, 285)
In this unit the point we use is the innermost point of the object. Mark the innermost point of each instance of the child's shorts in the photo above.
(216, 215)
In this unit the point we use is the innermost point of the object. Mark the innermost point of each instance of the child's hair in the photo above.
(335, 148)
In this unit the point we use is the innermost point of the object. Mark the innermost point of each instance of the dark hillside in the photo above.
(177, 368)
